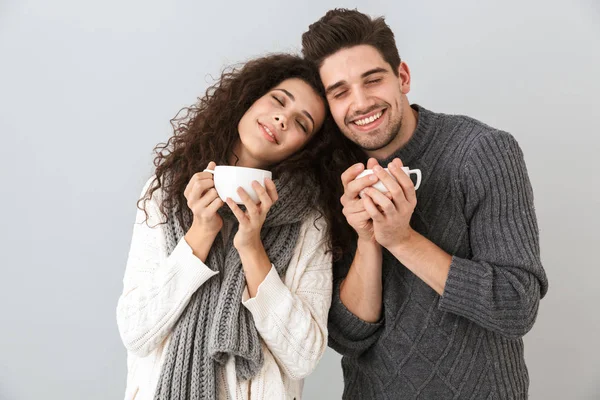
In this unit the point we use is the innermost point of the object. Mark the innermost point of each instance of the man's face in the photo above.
(366, 97)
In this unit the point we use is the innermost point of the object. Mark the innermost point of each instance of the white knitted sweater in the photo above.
(290, 314)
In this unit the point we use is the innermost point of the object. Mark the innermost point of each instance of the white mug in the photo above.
(381, 187)
(228, 178)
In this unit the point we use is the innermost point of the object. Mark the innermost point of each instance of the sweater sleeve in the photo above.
(500, 285)
(292, 318)
(157, 286)
(348, 334)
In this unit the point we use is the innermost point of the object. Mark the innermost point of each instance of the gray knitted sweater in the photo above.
(476, 203)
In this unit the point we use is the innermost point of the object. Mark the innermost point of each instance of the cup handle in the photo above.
(418, 173)
(209, 170)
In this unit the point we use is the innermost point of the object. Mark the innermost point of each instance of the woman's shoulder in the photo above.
(148, 183)
(314, 221)
(149, 201)
(313, 230)
(311, 250)
(151, 192)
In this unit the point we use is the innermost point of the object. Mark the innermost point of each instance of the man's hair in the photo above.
(341, 28)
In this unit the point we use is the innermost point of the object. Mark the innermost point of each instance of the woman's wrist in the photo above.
(200, 240)
(251, 247)
(256, 264)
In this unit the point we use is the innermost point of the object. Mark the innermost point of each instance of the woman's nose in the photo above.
(281, 121)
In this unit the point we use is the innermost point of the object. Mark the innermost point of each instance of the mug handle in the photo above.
(209, 170)
(418, 173)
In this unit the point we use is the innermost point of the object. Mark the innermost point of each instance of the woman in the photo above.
(229, 302)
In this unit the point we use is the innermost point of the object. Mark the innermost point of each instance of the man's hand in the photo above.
(354, 210)
(391, 214)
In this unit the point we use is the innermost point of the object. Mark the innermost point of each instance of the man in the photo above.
(446, 280)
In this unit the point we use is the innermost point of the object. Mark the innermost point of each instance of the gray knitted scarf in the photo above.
(214, 324)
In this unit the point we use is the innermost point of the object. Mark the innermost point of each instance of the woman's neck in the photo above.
(240, 158)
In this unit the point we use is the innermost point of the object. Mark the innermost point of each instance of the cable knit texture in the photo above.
(198, 347)
(476, 203)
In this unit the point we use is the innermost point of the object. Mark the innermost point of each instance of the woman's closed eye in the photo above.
(302, 126)
(279, 101)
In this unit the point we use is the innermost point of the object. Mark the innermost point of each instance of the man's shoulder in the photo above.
(464, 125)
(471, 132)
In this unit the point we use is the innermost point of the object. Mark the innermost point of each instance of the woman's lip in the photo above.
(272, 139)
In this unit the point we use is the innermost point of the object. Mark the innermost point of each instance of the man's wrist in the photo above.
(368, 256)
(406, 244)
(368, 244)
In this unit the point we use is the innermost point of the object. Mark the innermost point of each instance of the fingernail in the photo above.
(372, 177)
(377, 168)
(358, 167)
(392, 165)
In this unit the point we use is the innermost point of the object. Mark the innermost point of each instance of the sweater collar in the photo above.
(419, 141)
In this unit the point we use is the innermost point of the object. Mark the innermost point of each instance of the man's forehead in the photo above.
(351, 63)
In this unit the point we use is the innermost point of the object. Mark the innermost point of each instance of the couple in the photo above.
(426, 299)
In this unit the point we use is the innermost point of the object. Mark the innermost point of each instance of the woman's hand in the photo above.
(252, 220)
(204, 202)
(255, 260)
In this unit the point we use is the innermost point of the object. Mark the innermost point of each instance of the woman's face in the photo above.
(279, 124)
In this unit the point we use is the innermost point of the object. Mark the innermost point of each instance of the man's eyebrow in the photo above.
(336, 85)
(374, 71)
(291, 96)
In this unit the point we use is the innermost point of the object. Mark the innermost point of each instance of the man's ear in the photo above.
(404, 77)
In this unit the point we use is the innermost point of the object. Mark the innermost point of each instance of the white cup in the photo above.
(381, 187)
(229, 178)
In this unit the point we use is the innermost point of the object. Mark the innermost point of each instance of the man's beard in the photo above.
(367, 143)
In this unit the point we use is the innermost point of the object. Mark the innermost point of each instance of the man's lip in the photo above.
(271, 129)
(367, 115)
(370, 126)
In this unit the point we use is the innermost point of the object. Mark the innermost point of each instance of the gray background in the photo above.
(87, 89)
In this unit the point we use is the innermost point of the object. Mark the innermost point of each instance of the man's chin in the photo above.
(374, 144)
(372, 138)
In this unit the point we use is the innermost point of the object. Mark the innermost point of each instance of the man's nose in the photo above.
(361, 101)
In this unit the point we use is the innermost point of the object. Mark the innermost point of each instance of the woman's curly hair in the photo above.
(207, 131)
